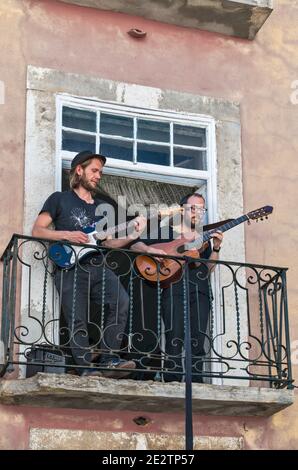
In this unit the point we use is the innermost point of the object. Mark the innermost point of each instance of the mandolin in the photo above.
(170, 270)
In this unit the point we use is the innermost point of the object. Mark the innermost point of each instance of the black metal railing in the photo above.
(234, 321)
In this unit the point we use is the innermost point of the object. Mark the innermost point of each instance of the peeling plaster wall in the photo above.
(25, 428)
(257, 74)
(64, 439)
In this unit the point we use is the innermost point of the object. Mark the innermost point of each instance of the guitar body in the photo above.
(66, 256)
(169, 270)
(61, 255)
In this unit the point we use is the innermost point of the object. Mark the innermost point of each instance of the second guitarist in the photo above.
(199, 293)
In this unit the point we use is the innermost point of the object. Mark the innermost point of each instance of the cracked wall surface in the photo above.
(64, 439)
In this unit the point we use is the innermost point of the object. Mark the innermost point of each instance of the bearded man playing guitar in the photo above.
(73, 214)
(200, 294)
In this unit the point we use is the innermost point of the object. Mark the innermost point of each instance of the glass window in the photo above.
(155, 154)
(134, 138)
(191, 159)
(79, 119)
(116, 125)
(74, 142)
(115, 148)
(153, 130)
(190, 136)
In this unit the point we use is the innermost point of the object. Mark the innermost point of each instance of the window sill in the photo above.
(68, 391)
(239, 18)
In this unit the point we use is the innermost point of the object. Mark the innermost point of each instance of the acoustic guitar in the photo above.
(170, 270)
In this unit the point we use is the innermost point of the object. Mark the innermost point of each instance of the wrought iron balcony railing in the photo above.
(229, 322)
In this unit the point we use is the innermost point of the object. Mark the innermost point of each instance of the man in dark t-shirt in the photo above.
(173, 297)
(74, 215)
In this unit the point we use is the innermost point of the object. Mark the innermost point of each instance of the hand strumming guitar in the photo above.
(76, 237)
(143, 248)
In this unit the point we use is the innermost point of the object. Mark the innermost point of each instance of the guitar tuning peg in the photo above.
(248, 222)
(262, 218)
(266, 217)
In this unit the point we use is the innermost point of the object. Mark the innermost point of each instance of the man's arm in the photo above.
(141, 247)
(41, 230)
(217, 241)
(116, 242)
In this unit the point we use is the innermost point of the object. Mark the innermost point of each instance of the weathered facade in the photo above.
(221, 69)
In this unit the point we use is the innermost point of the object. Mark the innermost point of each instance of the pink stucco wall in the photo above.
(257, 74)
(16, 423)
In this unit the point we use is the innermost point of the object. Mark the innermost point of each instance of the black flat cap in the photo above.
(86, 155)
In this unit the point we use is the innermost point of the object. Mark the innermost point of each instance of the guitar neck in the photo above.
(113, 230)
(119, 228)
(223, 228)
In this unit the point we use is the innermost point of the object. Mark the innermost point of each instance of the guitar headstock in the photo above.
(261, 213)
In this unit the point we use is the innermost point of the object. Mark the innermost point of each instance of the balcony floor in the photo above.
(69, 391)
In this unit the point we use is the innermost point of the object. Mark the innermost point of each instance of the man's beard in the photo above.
(86, 185)
(193, 224)
(189, 223)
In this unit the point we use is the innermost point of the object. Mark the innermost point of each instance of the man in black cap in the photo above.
(73, 214)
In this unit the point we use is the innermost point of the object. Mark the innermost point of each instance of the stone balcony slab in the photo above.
(70, 391)
(239, 18)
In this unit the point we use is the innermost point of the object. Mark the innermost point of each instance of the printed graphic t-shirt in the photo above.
(69, 212)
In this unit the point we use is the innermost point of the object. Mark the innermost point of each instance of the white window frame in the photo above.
(167, 174)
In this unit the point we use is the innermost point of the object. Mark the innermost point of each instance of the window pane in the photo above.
(74, 142)
(152, 130)
(116, 125)
(79, 119)
(155, 154)
(114, 148)
(191, 159)
(186, 135)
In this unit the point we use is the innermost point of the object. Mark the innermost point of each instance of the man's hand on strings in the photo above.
(217, 239)
(76, 237)
(136, 227)
(140, 223)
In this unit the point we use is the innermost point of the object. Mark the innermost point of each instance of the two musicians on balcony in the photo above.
(73, 212)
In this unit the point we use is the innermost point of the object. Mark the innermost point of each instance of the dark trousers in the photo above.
(77, 288)
(174, 322)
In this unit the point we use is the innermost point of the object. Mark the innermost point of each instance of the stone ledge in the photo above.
(67, 391)
(240, 18)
